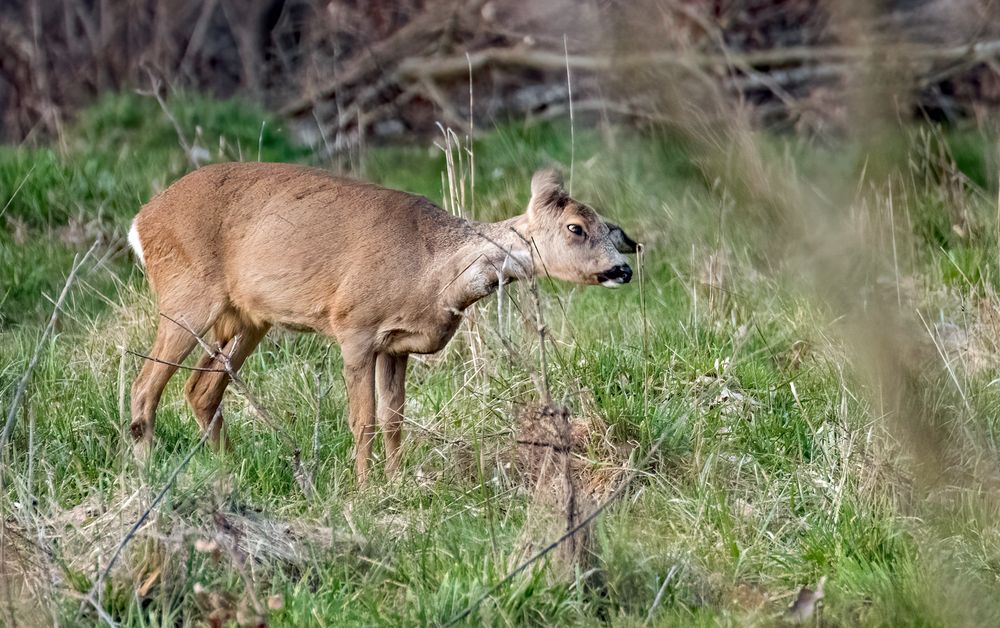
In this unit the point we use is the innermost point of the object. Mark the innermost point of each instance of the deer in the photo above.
(236, 248)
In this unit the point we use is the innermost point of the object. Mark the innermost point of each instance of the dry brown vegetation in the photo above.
(349, 70)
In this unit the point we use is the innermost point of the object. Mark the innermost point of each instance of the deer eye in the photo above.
(575, 229)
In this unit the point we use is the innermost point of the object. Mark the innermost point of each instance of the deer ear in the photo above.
(620, 239)
(547, 190)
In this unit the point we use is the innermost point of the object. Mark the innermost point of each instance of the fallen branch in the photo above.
(457, 66)
(408, 42)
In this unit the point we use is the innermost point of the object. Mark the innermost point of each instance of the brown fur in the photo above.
(236, 248)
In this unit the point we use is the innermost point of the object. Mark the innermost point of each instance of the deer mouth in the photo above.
(615, 277)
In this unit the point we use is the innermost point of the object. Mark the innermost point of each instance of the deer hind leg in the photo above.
(204, 389)
(390, 377)
(359, 373)
(174, 341)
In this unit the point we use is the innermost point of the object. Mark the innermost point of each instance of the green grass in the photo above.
(778, 463)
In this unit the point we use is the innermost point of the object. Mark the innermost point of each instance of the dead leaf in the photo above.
(148, 583)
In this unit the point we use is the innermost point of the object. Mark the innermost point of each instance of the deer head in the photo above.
(570, 240)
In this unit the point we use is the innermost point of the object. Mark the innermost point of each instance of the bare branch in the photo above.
(175, 364)
(154, 91)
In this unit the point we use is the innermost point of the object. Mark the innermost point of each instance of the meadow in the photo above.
(793, 390)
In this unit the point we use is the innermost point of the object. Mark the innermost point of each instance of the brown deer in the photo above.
(236, 248)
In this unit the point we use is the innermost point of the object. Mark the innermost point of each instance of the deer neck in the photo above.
(490, 255)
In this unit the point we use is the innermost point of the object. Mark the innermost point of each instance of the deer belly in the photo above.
(287, 302)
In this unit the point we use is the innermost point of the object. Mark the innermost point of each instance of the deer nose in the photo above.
(617, 275)
(624, 272)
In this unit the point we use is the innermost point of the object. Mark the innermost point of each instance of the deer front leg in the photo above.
(391, 382)
(359, 373)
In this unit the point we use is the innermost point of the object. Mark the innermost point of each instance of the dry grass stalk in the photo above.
(93, 596)
(22, 385)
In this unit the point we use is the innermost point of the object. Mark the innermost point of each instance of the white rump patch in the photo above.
(135, 243)
(611, 283)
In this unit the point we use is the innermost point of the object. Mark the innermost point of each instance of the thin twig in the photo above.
(471, 146)
(89, 598)
(640, 263)
(234, 377)
(22, 386)
(618, 492)
(200, 369)
(155, 84)
(543, 385)
(29, 481)
(320, 395)
(316, 418)
(301, 474)
(540, 328)
(123, 415)
(86, 599)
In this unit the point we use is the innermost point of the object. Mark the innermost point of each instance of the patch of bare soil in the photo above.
(568, 465)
